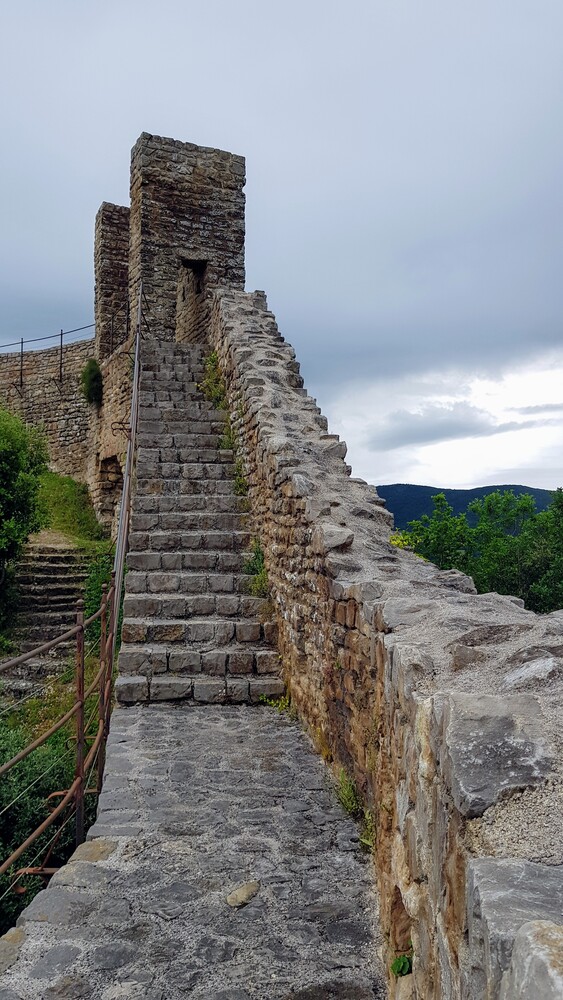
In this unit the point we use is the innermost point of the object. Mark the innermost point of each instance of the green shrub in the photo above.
(91, 382)
(348, 795)
(212, 385)
(402, 964)
(255, 568)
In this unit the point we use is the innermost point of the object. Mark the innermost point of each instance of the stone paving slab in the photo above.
(197, 804)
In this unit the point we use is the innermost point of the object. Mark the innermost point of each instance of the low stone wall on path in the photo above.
(443, 705)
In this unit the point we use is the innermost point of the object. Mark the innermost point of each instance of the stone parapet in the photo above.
(408, 680)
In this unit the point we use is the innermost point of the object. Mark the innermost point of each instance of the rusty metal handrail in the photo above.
(108, 613)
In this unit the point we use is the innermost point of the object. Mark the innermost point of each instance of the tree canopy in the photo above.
(501, 541)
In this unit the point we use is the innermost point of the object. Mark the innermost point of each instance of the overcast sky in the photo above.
(404, 199)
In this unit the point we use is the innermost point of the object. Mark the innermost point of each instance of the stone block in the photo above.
(248, 631)
(209, 691)
(129, 690)
(267, 661)
(184, 661)
(241, 662)
(536, 969)
(170, 688)
(491, 746)
(502, 896)
(237, 690)
(214, 663)
(266, 687)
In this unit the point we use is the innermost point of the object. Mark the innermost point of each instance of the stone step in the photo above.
(166, 541)
(193, 561)
(194, 410)
(188, 521)
(60, 618)
(31, 557)
(185, 455)
(55, 583)
(223, 504)
(197, 449)
(184, 582)
(196, 423)
(187, 470)
(204, 634)
(239, 658)
(187, 486)
(43, 598)
(179, 606)
(200, 689)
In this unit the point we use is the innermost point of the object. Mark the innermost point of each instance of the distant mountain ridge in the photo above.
(408, 502)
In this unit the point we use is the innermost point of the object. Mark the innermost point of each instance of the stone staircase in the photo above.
(190, 627)
(50, 580)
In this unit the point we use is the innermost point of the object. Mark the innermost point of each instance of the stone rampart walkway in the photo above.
(200, 802)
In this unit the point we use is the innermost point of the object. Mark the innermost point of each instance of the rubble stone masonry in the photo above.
(46, 401)
(442, 704)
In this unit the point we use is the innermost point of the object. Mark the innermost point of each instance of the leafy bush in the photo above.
(91, 382)
(23, 457)
(402, 965)
(506, 546)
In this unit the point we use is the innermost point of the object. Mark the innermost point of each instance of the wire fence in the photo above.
(90, 712)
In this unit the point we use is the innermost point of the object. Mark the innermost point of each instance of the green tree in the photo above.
(443, 538)
(23, 456)
(501, 542)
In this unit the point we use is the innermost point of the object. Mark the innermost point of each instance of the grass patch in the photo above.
(348, 795)
(24, 789)
(212, 385)
(69, 509)
(255, 567)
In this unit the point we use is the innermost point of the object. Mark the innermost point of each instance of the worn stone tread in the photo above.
(199, 803)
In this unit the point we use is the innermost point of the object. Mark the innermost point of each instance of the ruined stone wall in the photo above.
(442, 704)
(111, 278)
(45, 401)
(187, 214)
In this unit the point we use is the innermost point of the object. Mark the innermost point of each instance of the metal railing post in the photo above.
(80, 739)
(21, 363)
(61, 360)
(102, 688)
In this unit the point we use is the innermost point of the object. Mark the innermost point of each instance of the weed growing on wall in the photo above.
(402, 964)
(348, 796)
(212, 385)
(91, 382)
(255, 568)
(240, 485)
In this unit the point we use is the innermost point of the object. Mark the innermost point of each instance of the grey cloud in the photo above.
(440, 423)
(540, 408)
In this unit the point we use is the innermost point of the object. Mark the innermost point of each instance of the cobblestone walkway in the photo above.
(197, 803)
